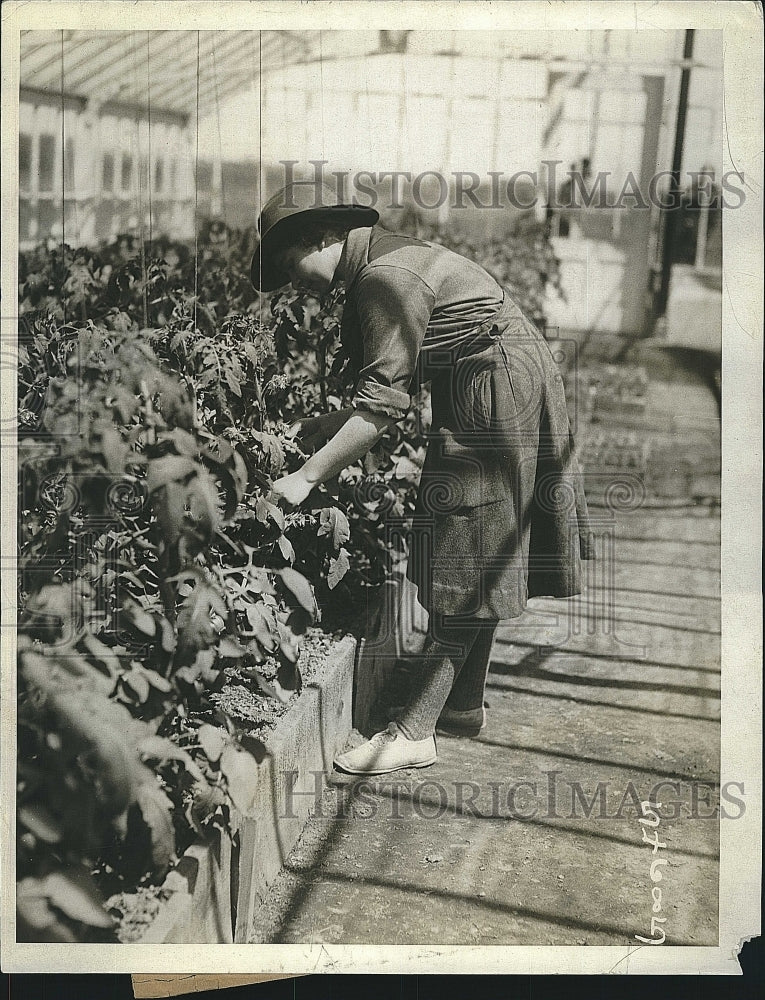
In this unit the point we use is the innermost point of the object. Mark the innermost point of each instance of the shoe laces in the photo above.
(386, 736)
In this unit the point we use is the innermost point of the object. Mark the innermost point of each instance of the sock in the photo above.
(469, 688)
(441, 660)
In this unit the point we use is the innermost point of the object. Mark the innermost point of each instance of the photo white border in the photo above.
(740, 842)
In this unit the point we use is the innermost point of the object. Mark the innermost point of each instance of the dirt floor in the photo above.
(531, 833)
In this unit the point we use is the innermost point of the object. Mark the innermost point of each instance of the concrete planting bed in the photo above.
(212, 894)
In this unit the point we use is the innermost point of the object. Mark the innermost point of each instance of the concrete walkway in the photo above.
(530, 834)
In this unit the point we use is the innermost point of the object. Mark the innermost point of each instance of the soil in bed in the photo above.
(254, 714)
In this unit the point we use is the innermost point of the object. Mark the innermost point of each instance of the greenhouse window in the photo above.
(69, 158)
(107, 174)
(25, 161)
(127, 172)
(47, 161)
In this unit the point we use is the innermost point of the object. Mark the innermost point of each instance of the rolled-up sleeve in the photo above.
(394, 306)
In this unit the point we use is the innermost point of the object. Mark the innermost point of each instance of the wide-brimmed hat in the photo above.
(286, 214)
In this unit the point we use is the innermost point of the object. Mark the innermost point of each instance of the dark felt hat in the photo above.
(284, 216)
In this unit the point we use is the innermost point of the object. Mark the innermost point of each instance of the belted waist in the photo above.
(438, 360)
(499, 322)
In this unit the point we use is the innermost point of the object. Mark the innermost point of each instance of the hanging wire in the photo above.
(405, 137)
(220, 138)
(260, 162)
(196, 193)
(289, 127)
(321, 95)
(141, 231)
(148, 113)
(63, 165)
(363, 113)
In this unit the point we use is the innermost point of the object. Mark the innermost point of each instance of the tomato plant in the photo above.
(156, 388)
(150, 559)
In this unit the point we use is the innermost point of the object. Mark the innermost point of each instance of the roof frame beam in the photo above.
(111, 62)
(97, 72)
(190, 84)
(52, 59)
(295, 37)
(218, 48)
(211, 100)
(112, 70)
(182, 67)
(186, 95)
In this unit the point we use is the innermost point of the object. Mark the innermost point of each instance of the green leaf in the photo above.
(36, 919)
(80, 669)
(241, 772)
(263, 621)
(334, 523)
(168, 469)
(272, 449)
(229, 647)
(202, 667)
(52, 611)
(204, 504)
(286, 549)
(100, 724)
(168, 635)
(206, 799)
(289, 644)
(195, 628)
(232, 381)
(258, 582)
(39, 821)
(300, 588)
(114, 450)
(185, 443)
(406, 469)
(144, 622)
(103, 653)
(169, 503)
(136, 682)
(265, 511)
(372, 462)
(157, 680)
(156, 810)
(162, 749)
(338, 568)
(74, 892)
(241, 476)
(212, 742)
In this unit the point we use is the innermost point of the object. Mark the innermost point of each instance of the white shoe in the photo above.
(388, 751)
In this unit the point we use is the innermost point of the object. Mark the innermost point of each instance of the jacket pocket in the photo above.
(465, 469)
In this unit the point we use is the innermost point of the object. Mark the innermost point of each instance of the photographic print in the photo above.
(381, 436)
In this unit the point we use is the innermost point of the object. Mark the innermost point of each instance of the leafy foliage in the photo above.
(150, 558)
(155, 395)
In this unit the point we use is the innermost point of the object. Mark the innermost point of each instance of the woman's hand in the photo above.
(358, 433)
(292, 489)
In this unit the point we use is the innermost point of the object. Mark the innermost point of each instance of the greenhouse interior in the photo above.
(195, 649)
